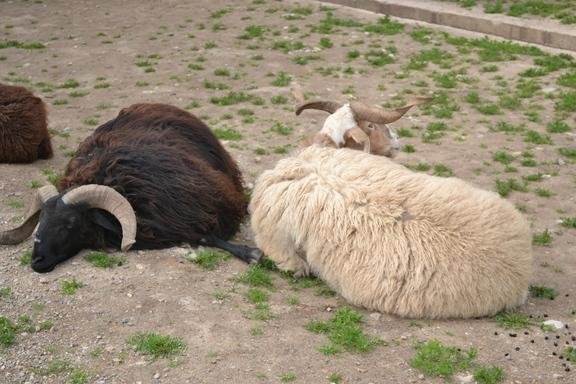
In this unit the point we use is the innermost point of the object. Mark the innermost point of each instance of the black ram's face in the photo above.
(60, 235)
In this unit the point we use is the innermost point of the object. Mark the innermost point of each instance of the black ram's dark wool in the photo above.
(179, 179)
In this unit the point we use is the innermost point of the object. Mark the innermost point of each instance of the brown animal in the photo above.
(24, 136)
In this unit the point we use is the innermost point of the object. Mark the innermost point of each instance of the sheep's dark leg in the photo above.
(45, 149)
(243, 252)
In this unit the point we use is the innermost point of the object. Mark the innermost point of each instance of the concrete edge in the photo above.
(474, 23)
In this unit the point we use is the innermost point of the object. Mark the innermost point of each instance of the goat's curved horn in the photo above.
(328, 106)
(21, 233)
(379, 115)
(106, 198)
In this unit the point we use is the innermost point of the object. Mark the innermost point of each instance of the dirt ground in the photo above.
(123, 52)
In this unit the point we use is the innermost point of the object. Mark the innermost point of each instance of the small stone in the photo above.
(465, 379)
(557, 376)
(156, 375)
(421, 377)
(556, 324)
(376, 316)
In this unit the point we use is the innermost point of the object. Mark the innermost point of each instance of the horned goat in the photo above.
(355, 125)
(153, 177)
(392, 240)
(24, 136)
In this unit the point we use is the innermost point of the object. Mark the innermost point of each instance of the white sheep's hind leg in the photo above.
(284, 252)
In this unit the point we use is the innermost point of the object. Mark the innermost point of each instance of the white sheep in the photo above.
(392, 240)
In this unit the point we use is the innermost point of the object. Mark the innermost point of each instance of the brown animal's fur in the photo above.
(177, 176)
(392, 240)
(24, 135)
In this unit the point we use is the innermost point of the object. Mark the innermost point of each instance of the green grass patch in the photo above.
(286, 46)
(543, 239)
(344, 333)
(209, 258)
(8, 332)
(253, 32)
(282, 79)
(527, 88)
(156, 345)
(256, 276)
(442, 171)
(231, 98)
(79, 376)
(104, 260)
(566, 102)
(422, 35)
(255, 296)
(558, 126)
(436, 360)
(326, 43)
(568, 152)
(278, 100)
(568, 79)
(26, 258)
(379, 58)
(227, 133)
(503, 157)
(504, 187)
(543, 192)
(20, 45)
(69, 287)
(472, 97)
(535, 137)
(569, 222)
(5, 292)
(489, 109)
(287, 377)
(281, 129)
(513, 320)
(489, 375)
(542, 292)
(533, 177)
(570, 354)
(408, 148)
(384, 26)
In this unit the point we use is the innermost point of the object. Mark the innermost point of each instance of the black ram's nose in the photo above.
(42, 268)
(39, 265)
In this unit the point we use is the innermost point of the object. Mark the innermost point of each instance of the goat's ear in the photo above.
(357, 135)
(381, 143)
(105, 220)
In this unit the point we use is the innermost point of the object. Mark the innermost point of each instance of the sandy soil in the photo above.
(102, 42)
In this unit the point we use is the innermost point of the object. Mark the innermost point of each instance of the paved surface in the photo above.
(538, 31)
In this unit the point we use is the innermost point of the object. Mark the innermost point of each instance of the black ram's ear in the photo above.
(105, 220)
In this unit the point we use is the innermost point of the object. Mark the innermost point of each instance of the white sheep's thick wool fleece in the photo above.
(336, 125)
(392, 240)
